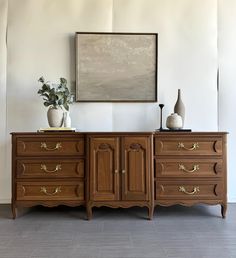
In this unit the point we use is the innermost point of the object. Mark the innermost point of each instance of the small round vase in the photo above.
(174, 122)
(55, 116)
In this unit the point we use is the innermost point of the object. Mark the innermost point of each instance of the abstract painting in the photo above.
(116, 67)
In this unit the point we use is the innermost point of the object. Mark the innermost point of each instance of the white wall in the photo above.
(187, 59)
(227, 100)
(41, 42)
(4, 175)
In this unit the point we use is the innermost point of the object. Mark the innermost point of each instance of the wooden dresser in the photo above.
(47, 169)
(119, 169)
(190, 168)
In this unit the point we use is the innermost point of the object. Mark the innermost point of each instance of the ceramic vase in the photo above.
(174, 122)
(55, 116)
(179, 107)
(67, 119)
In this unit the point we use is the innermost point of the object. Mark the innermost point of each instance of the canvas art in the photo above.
(116, 67)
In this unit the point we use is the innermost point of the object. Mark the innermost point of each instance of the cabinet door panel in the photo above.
(135, 168)
(104, 168)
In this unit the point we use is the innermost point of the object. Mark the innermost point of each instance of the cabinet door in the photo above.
(135, 168)
(104, 168)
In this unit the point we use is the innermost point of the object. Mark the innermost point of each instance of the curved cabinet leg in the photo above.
(150, 212)
(223, 210)
(89, 212)
(14, 211)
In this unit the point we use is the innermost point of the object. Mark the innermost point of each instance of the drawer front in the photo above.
(192, 168)
(56, 168)
(188, 146)
(189, 190)
(41, 146)
(47, 191)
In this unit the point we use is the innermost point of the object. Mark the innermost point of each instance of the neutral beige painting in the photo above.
(116, 67)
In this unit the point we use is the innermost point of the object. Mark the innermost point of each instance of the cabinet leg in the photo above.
(223, 210)
(14, 211)
(150, 212)
(89, 212)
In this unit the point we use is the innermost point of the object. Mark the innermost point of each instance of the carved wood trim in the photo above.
(217, 146)
(22, 190)
(78, 171)
(216, 187)
(23, 145)
(78, 146)
(77, 191)
(49, 203)
(21, 170)
(135, 146)
(160, 168)
(162, 188)
(159, 146)
(167, 203)
(119, 205)
(104, 146)
(217, 168)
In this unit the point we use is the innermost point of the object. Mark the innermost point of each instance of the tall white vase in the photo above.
(67, 119)
(55, 116)
(179, 107)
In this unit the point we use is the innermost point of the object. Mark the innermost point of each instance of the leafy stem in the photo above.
(55, 95)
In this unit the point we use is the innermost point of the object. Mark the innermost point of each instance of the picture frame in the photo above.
(116, 67)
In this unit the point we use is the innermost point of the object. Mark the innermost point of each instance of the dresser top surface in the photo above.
(155, 133)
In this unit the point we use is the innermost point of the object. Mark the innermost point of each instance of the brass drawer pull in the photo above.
(44, 190)
(44, 168)
(194, 146)
(116, 171)
(44, 146)
(195, 190)
(123, 171)
(195, 168)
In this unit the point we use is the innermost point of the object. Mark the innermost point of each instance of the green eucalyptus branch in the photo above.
(55, 95)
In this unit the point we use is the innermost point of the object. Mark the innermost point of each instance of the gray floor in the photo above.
(63, 232)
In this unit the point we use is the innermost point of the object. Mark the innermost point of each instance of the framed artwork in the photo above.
(116, 67)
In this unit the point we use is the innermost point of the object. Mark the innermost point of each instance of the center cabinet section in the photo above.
(120, 174)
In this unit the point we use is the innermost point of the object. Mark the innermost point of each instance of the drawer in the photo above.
(30, 191)
(188, 145)
(189, 190)
(191, 168)
(56, 168)
(46, 146)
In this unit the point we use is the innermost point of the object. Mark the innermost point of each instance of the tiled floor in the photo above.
(175, 232)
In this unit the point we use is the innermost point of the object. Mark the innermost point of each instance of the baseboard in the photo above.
(5, 201)
(232, 199)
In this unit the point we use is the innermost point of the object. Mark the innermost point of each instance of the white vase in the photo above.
(55, 116)
(174, 121)
(67, 119)
(179, 107)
